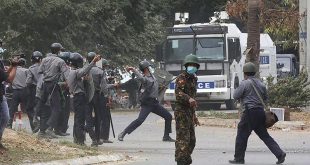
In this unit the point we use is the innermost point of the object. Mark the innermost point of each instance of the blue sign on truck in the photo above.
(200, 85)
(264, 59)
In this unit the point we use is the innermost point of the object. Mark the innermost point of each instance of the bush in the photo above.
(290, 92)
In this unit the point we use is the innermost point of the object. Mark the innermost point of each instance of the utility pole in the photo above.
(303, 35)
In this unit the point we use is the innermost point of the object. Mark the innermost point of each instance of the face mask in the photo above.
(151, 69)
(191, 69)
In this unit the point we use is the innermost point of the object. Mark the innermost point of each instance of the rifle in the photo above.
(110, 116)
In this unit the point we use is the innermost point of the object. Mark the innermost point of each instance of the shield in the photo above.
(89, 88)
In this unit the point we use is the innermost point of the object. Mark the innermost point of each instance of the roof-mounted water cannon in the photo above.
(219, 17)
(181, 18)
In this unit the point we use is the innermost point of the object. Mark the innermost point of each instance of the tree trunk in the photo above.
(253, 33)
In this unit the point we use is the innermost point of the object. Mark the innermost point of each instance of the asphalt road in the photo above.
(215, 146)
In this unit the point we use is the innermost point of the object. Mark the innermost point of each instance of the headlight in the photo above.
(220, 83)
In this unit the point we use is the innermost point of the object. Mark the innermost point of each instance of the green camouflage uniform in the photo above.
(185, 129)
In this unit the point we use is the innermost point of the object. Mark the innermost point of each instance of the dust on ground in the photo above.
(26, 148)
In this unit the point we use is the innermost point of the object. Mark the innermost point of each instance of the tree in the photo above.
(253, 41)
(279, 18)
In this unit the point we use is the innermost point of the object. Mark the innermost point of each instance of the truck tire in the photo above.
(231, 104)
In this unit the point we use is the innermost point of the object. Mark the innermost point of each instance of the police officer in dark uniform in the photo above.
(20, 93)
(53, 68)
(76, 82)
(31, 81)
(253, 116)
(105, 95)
(95, 104)
(149, 102)
(62, 124)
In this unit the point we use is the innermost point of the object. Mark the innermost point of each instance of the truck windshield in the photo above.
(210, 48)
(177, 49)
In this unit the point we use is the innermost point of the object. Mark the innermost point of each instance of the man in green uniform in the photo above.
(184, 113)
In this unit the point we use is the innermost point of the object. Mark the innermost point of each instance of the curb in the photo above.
(84, 160)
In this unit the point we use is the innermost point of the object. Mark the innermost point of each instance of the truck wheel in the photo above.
(231, 104)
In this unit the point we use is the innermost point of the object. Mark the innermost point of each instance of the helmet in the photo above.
(22, 62)
(249, 67)
(36, 56)
(65, 56)
(91, 56)
(56, 47)
(105, 62)
(76, 60)
(191, 59)
(144, 64)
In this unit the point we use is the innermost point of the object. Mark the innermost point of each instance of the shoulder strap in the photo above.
(258, 94)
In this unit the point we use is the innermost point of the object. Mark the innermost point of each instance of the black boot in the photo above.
(235, 161)
(168, 139)
(281, 159)
(121, 136)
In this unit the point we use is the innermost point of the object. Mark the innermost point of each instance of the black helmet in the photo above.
(76, 60)
(56, 48)
(91, 56)
(36, 56)
(22, 62)
(144, 64)
(65, 56)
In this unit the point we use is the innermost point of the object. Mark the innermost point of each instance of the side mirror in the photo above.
(159, 52)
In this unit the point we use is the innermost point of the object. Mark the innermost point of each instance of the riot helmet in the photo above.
(36, 57)
(91, 56)
(144, 64)
(56, 48)
(65, 56)
(22, 62)
(76, 60)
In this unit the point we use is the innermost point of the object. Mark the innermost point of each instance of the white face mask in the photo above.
(151, 69)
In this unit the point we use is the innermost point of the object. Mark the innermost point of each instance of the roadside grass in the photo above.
(221, 115)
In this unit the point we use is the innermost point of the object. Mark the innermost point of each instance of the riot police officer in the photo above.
(185, 117)
(96, 105)
(20, 93)
(53, 68)
(76, 79)
(149, 102)
(106, 97)
(253, 116)
(62, 124)
(31, 81)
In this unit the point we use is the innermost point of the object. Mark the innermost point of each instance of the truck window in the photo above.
(177, 49)
(234, 50)
(210, 48)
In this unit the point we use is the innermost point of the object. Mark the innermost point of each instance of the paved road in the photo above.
(215, 146)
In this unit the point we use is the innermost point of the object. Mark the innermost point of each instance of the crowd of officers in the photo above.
(45, 89)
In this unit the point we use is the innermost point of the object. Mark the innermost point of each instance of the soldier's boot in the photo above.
(121, 136)
(94, 143)
(168, 139)
(281, 159)
(49, 132)
(235, 161)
